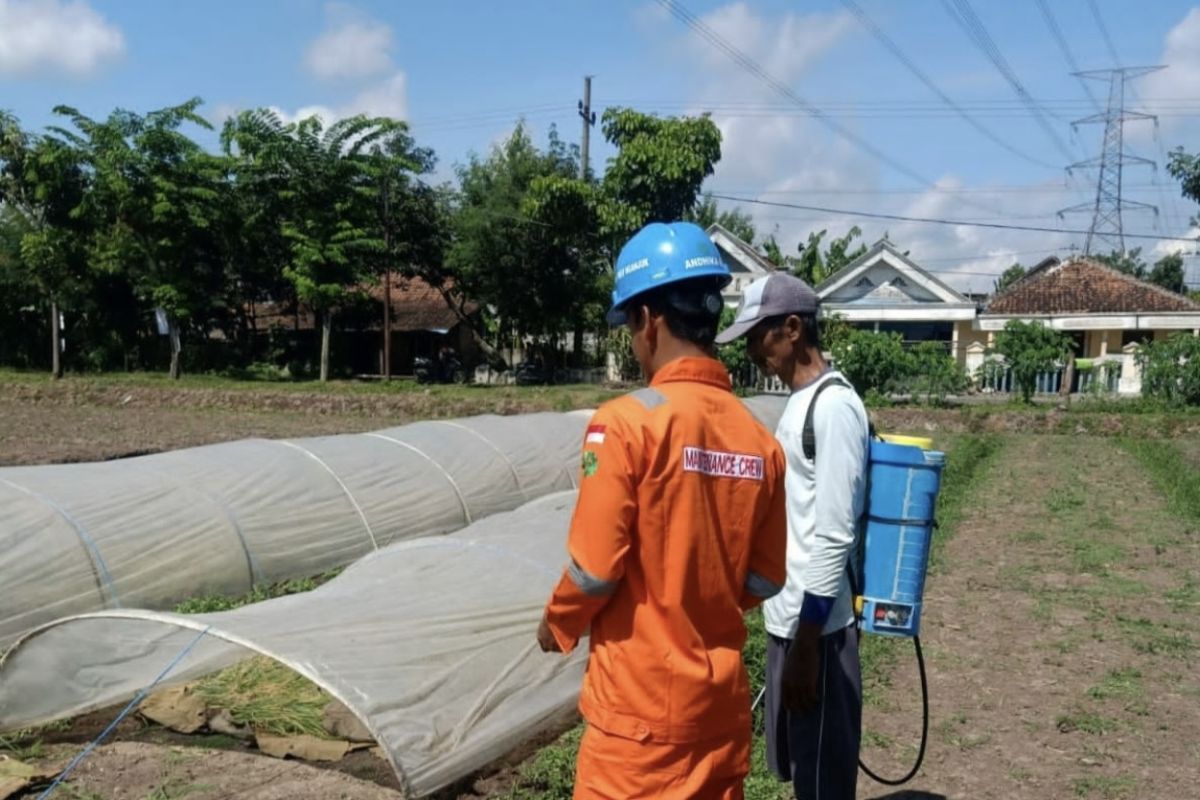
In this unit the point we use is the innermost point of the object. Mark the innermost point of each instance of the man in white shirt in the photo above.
(814, 683)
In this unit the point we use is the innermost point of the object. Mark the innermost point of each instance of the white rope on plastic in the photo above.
(453, 484)
(345, 488)
(256, 576)
(511, 467)
(104, 581)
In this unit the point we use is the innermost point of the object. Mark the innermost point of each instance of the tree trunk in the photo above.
(387, 325)
(577, 346)
(326, 327)
(176, 347)
(55, 342)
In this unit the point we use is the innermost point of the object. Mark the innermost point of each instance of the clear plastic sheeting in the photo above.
(148, 532)
(430, 642)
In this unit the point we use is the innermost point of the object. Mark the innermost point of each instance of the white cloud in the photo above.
(51, 35)
(353, 49)
(784, 47)
(1171, 86)
(388, 98)
(791, 158)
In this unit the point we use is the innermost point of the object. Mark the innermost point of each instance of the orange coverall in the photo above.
(679, 529)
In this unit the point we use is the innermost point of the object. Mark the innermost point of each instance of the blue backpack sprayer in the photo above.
(888, 576)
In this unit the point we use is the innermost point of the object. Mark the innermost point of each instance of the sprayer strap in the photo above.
(908, 523)
(808, 436)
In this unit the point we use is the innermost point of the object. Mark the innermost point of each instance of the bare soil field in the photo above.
(1061, 662)
(1060, 658)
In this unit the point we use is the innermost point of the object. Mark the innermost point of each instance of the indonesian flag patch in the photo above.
(595, 435)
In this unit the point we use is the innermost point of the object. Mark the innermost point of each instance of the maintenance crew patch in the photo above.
(591, 463)
(722, 465)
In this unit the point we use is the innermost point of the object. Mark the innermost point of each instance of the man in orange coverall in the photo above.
(680, 527)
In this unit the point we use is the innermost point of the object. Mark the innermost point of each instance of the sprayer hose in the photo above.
(924, 726)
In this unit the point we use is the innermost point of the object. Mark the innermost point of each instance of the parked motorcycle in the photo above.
(446, 369)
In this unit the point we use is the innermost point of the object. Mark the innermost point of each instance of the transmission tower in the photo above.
(1107, 207)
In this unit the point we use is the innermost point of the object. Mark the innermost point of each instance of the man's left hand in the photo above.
(800, 670)
(546, 639)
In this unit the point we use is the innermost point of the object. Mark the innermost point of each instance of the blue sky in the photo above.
(463, 72)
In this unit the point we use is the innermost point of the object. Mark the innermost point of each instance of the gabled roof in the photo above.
(416, 306)
(885, 251)
(740, 252)
(1084, 286)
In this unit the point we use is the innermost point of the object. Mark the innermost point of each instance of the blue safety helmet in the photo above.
(661, 254)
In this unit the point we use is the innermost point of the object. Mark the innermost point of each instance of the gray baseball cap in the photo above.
(775, 295)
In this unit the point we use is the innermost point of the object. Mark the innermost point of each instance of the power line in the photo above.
(940, 221)
(1108, 42)
(749, 65)
(1065, 49)
(904, 59)
(968, 20)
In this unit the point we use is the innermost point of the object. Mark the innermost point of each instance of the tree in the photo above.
(1007, 278)
(813, 265)
(935, 373)
(736, 221)
(873, 362)
(1168, 273)
(1030, 348)
(1128, 261)
(154, 198)
(1185, 168)
(1171, 369)
(523, 240)
(658, 169)
(42, 182)
(406, 231)
(565, 232)
(328, 201)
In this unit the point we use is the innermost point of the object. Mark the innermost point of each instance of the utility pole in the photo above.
(1107, 207)
(589, 119)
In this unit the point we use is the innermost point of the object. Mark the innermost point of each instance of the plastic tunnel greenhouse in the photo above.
(150, 531)
(429, 641)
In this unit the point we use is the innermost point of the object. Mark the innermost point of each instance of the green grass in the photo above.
(1150, 638)
(1124, 684)
(1101, 786)
(965, 471)
(1087, 722)
(1171, 472)
(206, 604)
(267, 696)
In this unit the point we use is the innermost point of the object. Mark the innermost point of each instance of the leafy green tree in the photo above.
(42, 182)
(935, 373)
(735, 220)
(154, 198)
(734, 355)
(523, 240)
(812, 264)
(1007, 278)
(1168, 273)
(871, 361)
(1129, 262)
(329, 183)
(1171, 369)
(406, 231)
(1185, 168)
(1030, 348)
(658, 169)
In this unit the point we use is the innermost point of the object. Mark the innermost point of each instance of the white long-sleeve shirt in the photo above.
(825, 503)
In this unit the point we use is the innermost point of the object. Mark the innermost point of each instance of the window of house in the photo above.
(1135, 337)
